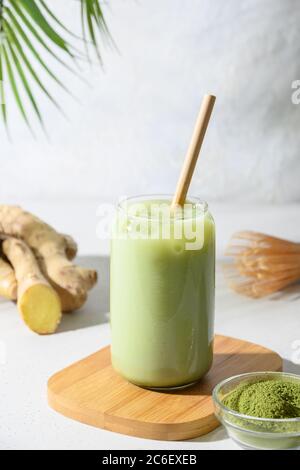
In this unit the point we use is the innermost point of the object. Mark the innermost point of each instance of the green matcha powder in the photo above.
(276, 399)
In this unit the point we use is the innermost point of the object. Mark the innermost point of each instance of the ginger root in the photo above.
(71, 246)
(8, 282)
(53, 251)
(38, 302)
(69, 302)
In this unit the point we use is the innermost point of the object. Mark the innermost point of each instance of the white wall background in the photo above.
(131, 130)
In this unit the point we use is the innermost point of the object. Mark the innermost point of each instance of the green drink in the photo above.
(162, 292)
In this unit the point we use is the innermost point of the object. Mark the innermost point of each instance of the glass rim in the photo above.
(195, 201)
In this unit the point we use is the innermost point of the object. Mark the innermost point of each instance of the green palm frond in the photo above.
(2, 95)
(93, 22)
(29, 29)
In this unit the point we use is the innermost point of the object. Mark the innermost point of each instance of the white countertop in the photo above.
(28, 360)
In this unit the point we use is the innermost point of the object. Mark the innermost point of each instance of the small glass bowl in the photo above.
(251, 432)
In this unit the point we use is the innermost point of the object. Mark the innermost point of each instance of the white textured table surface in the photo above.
(27, 360)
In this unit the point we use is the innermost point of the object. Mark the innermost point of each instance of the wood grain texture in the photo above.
(91, 392)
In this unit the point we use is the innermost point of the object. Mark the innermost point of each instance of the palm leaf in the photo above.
(36, 15)
(93, 22)
(33, 30)
(57, 21)
(24, 22)
(90, 18)
(2, 94)
(24, 80)
(14, 40)
(13, 84)
(17, 29)
(101, 21)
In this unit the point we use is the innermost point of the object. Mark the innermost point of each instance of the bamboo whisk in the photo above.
(261, 264)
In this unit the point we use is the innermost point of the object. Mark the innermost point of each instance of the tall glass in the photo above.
(162, 291)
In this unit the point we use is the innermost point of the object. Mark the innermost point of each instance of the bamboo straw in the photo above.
(193, 151)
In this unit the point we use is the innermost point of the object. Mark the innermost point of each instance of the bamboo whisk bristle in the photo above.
(261, 264)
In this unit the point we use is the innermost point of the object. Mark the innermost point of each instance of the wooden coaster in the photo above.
(91, 392)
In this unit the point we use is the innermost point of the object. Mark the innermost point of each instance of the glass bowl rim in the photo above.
(253, 418)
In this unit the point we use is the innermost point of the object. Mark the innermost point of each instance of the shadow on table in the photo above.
(96, 309)
(219, 434)
(291, 367)
(291, 293)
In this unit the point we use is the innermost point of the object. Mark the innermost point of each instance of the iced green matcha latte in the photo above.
(162, 292)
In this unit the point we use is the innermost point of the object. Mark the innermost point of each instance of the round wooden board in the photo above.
(91, 392)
